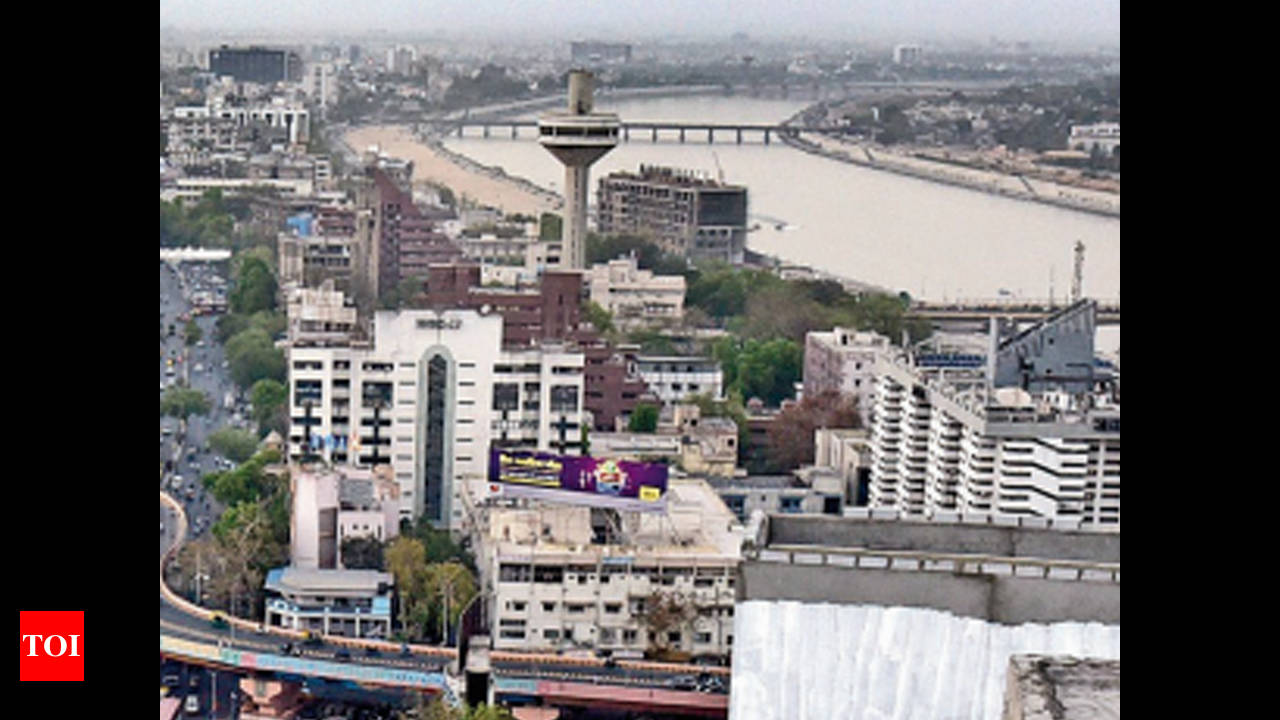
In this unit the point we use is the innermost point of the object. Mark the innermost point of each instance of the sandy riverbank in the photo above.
(433, 166)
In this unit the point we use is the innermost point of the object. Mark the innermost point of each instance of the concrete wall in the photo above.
(945, 538)
(1000, 599)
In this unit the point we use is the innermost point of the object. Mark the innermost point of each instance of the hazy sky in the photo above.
(1035, 20)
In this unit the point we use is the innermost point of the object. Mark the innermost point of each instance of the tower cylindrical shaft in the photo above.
(574, 252)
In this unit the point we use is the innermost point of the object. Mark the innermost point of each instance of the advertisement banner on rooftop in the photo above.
(579, 480)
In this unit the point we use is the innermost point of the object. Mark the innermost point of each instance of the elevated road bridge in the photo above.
(1029, 310)
(642, 130)
(188, 633)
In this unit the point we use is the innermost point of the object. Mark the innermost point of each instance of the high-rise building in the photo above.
(402, 242)
(256, 64)
(946, 438)
(687, 214)
(843, 360)
(429, 396)
(906, 54)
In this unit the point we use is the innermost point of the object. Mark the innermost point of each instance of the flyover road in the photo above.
(183, 622)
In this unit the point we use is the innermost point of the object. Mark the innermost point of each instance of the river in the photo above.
(935, 241)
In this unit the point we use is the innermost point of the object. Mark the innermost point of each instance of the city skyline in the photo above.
(1091, 22)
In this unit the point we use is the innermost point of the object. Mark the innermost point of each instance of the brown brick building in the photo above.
(549, 312)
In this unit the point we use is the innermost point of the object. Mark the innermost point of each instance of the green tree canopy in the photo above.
(267, 397)
(252, 356)
(550, 227)
(599, 318)
(255, 287)
(610, 246)
(192, 332)
(233, 443)
(362, 553)
(764, 369)
(406, 560)
(644, 419)
(182, 402)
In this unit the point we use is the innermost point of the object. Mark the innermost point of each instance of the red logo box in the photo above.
(51, 645)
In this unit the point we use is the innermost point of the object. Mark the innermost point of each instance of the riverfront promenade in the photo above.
(996, 183)
(465, 178)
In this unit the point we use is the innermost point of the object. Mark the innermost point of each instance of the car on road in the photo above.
(708, 683)
(218, 623)
(290, 649)
(683, 682)
(371, 651)
(342, 654)
(192, 704)
(404, 650)
(311, 639)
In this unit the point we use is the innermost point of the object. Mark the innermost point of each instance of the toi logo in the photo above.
(51, 645)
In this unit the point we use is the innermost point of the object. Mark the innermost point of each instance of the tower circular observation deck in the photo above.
(577, 137)
(572, 132)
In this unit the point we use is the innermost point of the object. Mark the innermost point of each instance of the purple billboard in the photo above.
(579, 480)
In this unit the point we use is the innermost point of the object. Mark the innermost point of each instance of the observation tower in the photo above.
(577, 137)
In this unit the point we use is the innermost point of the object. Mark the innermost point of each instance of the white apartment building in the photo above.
(428, 397)
(333, 504)
(942, 442)
(636, 297)
(1104, 136)
(843, 360)
(675, 378)
(316, 316)
(555, 587)
(193, 188)
(321, 83)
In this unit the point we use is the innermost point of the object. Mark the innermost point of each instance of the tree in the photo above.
(181, 402)
(752, 368)
(644, 419)
(251, 546)
(255, 286)
(362, 553)
(449, 580)
(192, 332)
(791, 442)
(550, 227)
(252, 356)
(665, 613)
(600, 319)
(406, 560)
(233, 443)
(439, 544)
(267, 396)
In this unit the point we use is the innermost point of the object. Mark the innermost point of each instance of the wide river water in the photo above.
(935, 241)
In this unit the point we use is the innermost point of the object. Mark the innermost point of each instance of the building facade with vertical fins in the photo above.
(1042, 440)
(428, 397)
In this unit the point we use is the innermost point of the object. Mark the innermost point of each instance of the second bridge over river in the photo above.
(628, 131)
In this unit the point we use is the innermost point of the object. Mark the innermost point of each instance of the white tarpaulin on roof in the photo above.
(800, 660)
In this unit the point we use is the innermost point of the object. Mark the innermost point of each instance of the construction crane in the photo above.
(1077, 278)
